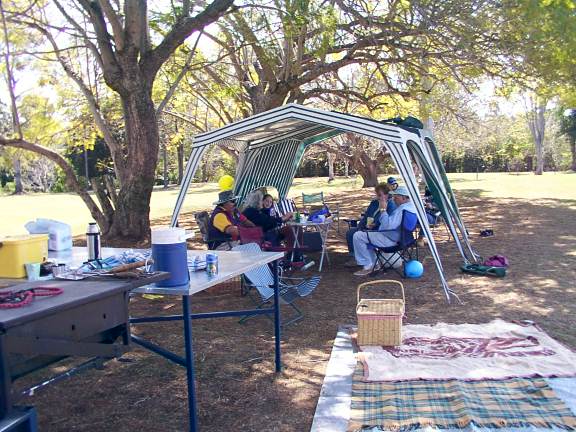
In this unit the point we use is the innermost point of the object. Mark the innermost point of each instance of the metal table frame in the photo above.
(76, 257)
(322, 227)
(186, 317)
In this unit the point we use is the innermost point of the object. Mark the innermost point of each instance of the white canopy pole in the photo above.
(191, 167)
(401, 158)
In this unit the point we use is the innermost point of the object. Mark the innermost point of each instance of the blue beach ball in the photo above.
(413, 269)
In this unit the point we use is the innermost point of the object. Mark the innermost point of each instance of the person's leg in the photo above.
(349, 236)
(287, 235)
(363, 255)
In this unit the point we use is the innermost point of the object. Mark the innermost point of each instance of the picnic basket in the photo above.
(380, 320)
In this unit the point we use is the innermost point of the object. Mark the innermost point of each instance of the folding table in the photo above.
(88, 319)
(231, 264)
(322, 227)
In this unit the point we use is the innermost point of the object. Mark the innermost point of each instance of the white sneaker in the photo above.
(363, 272)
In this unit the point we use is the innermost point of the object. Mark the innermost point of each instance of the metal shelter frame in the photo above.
(271, 146)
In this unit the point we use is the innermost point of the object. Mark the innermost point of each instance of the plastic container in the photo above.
(170, 254)
(16, 251)
(60, 233)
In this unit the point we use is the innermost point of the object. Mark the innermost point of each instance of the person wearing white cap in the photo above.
(388, 233)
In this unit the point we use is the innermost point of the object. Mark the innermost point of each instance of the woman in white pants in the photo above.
(388, 233)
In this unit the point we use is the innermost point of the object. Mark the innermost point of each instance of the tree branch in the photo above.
(176, 82)
(71, 179)
(111, 68)
(115, 23)
(101, 123)
(93, 48)
(183, 28)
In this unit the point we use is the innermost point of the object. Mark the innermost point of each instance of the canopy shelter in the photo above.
(271, 146)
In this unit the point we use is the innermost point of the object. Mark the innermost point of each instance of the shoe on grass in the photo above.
(363, 272)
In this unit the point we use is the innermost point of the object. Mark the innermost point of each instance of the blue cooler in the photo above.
(170, 254)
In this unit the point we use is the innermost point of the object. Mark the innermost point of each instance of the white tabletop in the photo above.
(230, 265)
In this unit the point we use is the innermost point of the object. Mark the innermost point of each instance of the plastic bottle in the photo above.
(212, 264)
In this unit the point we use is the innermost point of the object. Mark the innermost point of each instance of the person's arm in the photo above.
(370, 212)
(244, 221)
(390, 222)
(390, 207)
(222, 224)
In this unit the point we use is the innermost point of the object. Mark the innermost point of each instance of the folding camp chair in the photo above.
(262, 279)
(284, 206)
(404, 250)
(203, 222)
(309, 200)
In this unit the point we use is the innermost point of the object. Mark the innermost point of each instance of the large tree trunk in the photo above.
(180, 163)
(572, 140)
(368, 169)
(130, 220)
(537, 125)
(331, 159)
(165, 165)
(18, 187)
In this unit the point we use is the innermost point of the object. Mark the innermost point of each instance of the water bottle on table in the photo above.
(212, 264)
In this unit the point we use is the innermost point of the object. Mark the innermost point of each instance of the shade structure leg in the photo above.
(277, 322)
(193, 426)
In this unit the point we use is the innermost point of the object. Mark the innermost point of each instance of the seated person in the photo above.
(392, 182)
(271, 225)
(432, 209)
(224, 222)
(388, 233)
(268, 209)
(370, 218)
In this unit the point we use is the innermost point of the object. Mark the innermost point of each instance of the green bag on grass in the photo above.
(482, 270)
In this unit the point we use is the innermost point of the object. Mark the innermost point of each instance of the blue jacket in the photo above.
(373, 211)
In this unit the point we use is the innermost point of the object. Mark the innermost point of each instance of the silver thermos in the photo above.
(93, 241)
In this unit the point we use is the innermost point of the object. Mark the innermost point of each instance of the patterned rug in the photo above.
(496, 350)
(407, 405)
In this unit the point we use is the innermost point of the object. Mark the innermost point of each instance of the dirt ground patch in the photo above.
(236, 386)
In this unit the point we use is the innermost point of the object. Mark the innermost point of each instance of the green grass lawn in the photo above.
(17, 210)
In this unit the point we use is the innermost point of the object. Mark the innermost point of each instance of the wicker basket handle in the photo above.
(367, 284)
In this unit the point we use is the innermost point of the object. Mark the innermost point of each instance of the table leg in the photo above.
(324, 236)
(5, 380)
(296, 245)
(325, 243)
(277, 322)
(189, 363)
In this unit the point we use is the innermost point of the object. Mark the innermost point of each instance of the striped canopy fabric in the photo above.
(271, 146)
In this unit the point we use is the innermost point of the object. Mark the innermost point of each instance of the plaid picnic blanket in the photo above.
(406, 405)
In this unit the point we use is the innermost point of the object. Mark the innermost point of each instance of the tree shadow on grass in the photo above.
(237, 388)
